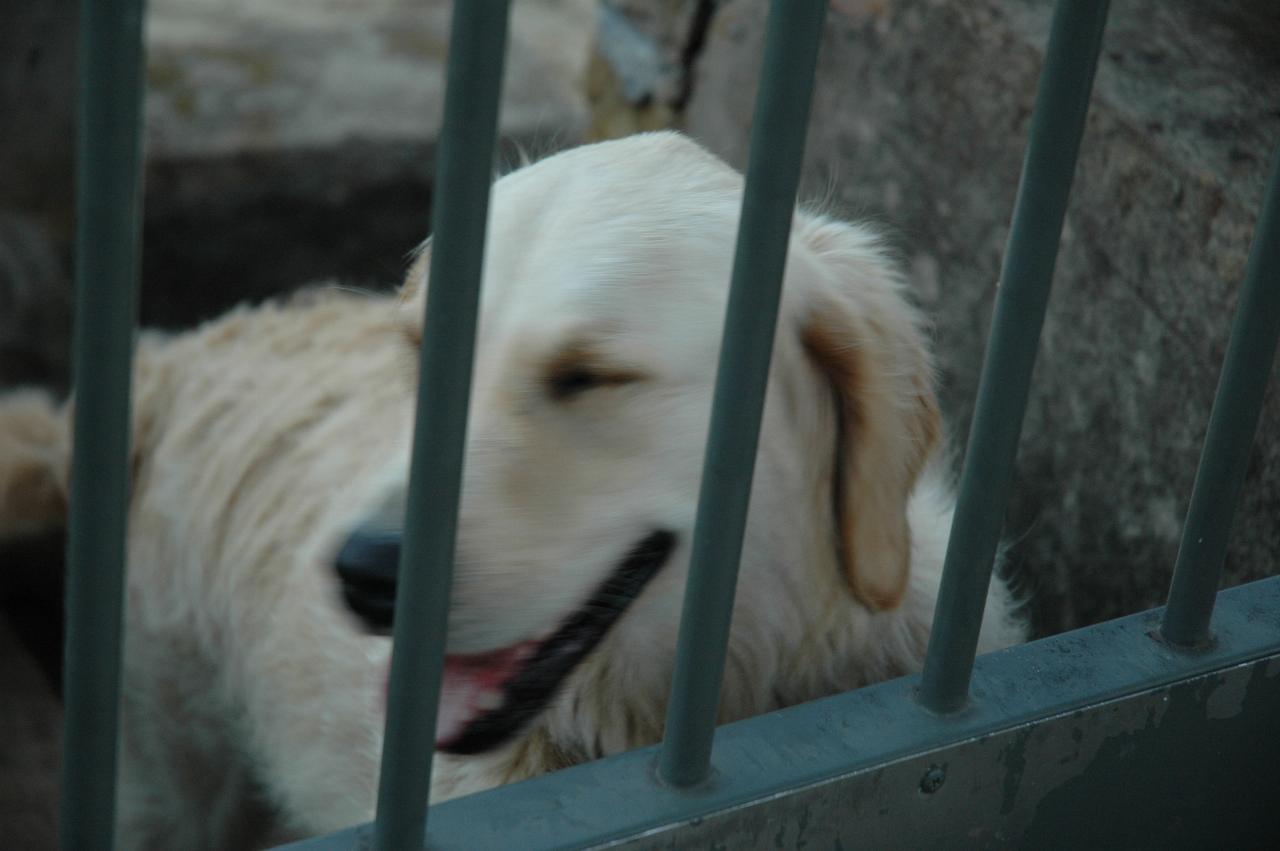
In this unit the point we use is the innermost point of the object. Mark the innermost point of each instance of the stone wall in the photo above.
(919, 121)
(37, 107)
(287, 141)
(291, 141)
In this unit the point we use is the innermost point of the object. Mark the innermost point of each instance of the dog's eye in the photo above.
(570, 380)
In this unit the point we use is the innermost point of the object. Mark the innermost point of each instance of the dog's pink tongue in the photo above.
(473, 685)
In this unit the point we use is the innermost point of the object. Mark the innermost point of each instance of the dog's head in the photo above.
(604, 295)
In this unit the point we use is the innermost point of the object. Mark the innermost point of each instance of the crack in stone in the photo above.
(695, 41)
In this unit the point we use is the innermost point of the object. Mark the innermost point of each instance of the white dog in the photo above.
(270, 458)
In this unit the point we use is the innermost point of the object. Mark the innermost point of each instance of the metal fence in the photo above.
(1149, 730)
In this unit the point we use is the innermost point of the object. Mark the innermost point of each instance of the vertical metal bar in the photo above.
(773, 172)
(1232, 425)
(1057, 122)
(464, 171)
(108, 208)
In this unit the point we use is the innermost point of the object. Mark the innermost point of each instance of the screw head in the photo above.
(933, 779)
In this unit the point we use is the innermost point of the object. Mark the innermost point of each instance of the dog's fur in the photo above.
(253, 700)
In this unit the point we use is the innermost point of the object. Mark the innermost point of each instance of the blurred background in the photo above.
(290, 141)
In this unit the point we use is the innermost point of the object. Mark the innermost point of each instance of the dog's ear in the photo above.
(35, 451)
(866, 340)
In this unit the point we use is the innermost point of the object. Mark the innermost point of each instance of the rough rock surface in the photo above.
(639, 75)
(37, 85)
(293, 140)
(919, 121)
(287, 141)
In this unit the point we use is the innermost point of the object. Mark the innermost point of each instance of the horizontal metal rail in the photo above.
(463, 174)
(1057, 123)
(1232, 425)
(108, 210)
(773, 173)
(1050, 713)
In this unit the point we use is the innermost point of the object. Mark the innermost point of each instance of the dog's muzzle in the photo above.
(487, 698)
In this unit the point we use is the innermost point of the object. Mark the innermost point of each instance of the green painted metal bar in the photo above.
(1057, 123)
(108, 210)
(773, 173)
(464, 171)
(1232, 426)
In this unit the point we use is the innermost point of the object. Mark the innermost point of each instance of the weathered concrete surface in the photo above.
(292, 140)
(37, 109)
(35, 303)
(919, 120)
(232, 76)
(37, 84)
(287, 141)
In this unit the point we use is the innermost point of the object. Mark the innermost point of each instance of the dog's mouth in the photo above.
(487, 698)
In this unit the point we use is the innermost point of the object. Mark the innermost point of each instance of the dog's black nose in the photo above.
(367, 565)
